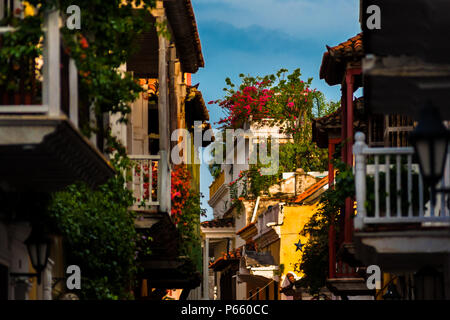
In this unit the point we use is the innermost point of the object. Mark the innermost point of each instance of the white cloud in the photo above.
(298, 18)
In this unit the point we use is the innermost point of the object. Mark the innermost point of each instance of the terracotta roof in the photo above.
(218, 223)
(331, 123)
(322, 127)
(311, 190)
(352, 48)
(233, 256)
(247, 227)
(335, 59)
(330, 120)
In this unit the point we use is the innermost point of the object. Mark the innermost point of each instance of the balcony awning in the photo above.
(182, 21)
(43, 154)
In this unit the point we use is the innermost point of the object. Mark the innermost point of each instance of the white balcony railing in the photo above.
(144, 182)
(394, 193)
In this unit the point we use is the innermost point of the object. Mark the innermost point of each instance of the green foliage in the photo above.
(18, 49)
(314, 260)
(282, 100)
(99, 236)
(189, 228)
(303, 155)
(214, 170)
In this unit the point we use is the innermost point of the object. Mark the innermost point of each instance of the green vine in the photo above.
(314, 260)
(189, 229)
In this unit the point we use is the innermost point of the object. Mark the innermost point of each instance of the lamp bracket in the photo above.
(28, 275)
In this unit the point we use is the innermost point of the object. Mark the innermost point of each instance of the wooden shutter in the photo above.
(139, 125)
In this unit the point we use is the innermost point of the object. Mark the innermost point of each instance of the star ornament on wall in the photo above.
(299, 245)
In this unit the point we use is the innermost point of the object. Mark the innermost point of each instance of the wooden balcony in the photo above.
(217, 183)
(401, 198)
(41, 147)
(397, 226)
(144, 181)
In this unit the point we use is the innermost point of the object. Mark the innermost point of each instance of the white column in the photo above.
(164, 121)
(360, 179)
(206, 269)
(73, 92)
(51, 83)
(47, 280)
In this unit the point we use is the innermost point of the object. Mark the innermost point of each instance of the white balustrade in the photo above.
(144, 173)
(408, 205)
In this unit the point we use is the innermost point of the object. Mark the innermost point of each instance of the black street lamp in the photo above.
(38, 247)
(430, 140)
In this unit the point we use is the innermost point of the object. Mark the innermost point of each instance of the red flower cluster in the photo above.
(83, 42)
(180, 185)
(252, 100)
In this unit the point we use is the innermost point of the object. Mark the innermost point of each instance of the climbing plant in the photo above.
(99, 236)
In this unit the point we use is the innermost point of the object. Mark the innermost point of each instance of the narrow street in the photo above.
(224, 150)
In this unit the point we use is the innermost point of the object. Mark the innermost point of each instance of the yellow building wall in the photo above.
(295, 218)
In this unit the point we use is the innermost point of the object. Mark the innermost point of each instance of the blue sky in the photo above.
(260, 37)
